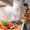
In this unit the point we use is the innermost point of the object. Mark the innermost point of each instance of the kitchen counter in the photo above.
(18, 27)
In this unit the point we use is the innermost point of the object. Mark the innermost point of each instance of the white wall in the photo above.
(4, 12)
(10, 13)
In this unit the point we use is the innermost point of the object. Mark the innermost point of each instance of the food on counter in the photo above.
(5, 23)
(12, 25)
(8, 25)
(2, 27)
(18, 22)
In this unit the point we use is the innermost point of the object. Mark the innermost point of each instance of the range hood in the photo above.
(6, 2)
(2, 4)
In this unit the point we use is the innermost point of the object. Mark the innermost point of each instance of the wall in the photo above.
(4, 12)
(9, 13)
(12, 13)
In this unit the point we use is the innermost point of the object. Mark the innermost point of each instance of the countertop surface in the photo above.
(18, 27)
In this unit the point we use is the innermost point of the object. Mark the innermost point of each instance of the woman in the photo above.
(26, 16)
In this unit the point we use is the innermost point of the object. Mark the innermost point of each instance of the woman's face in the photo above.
(23, 8)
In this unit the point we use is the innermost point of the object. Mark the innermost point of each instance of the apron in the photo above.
(26, 27)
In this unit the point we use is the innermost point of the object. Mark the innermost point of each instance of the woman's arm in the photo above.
(26, 17)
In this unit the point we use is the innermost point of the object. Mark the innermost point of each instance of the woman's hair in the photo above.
(25, 4)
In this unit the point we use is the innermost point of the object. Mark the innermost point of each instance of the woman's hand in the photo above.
(26, 19)
(22, 17)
